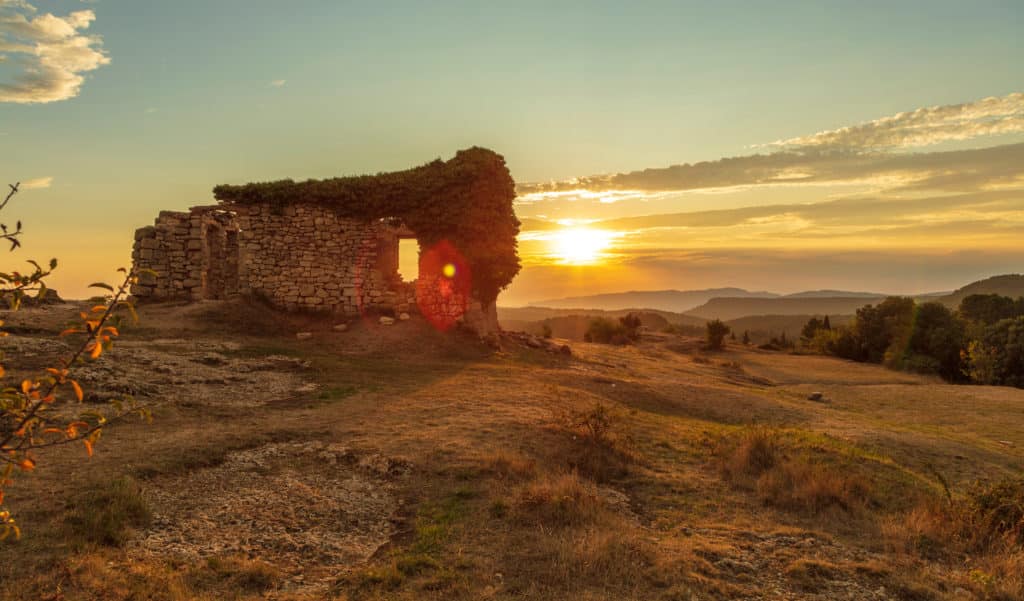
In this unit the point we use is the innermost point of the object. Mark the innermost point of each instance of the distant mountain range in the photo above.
(735, 303)
(734, 308)
(676, 301)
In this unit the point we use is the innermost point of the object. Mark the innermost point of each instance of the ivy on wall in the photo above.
(466, 200)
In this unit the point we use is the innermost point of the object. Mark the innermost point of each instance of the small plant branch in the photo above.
(39, 399)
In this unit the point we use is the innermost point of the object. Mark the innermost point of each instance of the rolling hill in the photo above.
(1011, 285)
(678, 301)
(734, 308)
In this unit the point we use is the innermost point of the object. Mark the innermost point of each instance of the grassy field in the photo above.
(400, 463)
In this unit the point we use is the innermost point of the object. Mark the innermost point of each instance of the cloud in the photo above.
(923, 127)
(858, 155)
(37, 183)
(278, 83)
(51, 52)
(953, 171)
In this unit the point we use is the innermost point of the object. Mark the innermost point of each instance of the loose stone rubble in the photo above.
(312, 510)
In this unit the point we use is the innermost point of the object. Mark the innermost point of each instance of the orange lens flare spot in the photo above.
(444, 286)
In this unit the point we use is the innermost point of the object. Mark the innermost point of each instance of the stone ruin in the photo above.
(299, 256)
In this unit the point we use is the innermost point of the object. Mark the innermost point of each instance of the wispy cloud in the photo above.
(50, 53)
(941, 171)
(922, 127)
(37, 183)
(278, 83)
(860, 154)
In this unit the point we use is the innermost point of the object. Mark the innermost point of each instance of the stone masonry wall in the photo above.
(303, 256)
(300, 256)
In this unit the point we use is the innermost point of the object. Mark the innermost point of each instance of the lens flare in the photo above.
(444, 286)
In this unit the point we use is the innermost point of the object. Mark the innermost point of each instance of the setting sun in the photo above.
(580, 246)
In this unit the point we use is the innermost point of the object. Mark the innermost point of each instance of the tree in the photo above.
(545, 330)
(998, 358)
(826, 325)
(28, 419)
(878, 329)
(716, 333)
(746, 337)
(937, 342)
(987, 309)
(810, 329)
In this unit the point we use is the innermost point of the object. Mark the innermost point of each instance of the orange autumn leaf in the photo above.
(88, 446)
(27, 464)
(77, 389)
(97, 350)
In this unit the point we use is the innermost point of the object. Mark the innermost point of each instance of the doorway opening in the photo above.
(408, 259)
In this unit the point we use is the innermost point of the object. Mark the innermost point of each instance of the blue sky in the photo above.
(201, 93)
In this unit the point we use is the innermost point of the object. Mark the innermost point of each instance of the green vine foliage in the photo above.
(466, 200)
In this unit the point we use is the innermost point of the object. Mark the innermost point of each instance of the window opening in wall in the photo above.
(408, 259)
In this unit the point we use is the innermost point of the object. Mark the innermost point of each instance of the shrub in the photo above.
(600, 449)
(545, 330)
(992, 514)
(716, 333)
(28, 421)
(607, 331)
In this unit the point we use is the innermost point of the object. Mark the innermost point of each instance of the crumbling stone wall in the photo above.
(297, 256)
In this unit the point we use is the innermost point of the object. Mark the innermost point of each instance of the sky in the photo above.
(782, 146)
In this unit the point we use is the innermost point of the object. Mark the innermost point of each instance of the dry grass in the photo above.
(560, 501)
(509, 466)
(232, 574)
(982, 529)
(812, 575)
(609, 502)
(106, 513)
(789, 479)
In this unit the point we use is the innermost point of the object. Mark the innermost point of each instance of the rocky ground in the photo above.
(395, 462)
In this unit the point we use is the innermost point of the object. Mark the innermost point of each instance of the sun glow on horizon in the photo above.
(580, 245)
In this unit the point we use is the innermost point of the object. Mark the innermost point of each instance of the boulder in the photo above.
(341, 327)
(387, 321)
(304, 335)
